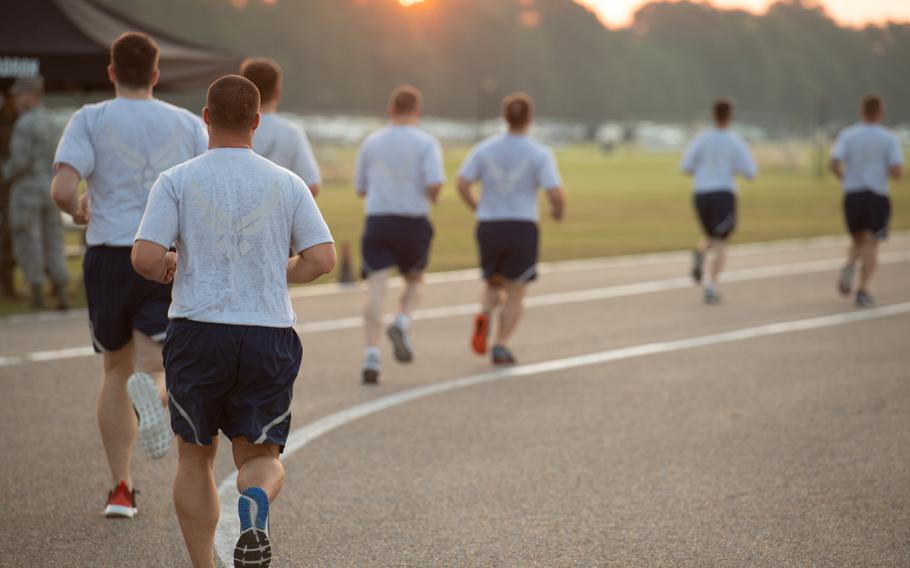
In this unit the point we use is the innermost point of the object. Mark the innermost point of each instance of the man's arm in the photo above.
(154, 262)
(65, 192)
(464, 190)
(896, 172)
(433, 192)
(311, 263)
(837, 168)
(557, 198)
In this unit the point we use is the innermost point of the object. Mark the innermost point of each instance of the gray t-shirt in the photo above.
(511, 168)
(286, 144)
(715, 157)
(120, 147)
(867, 151)
(233, 216)
(395, 166)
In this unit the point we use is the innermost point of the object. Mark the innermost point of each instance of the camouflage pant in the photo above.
(7, 262)
(37, 232)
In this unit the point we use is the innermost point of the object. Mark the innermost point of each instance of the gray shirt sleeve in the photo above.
(75, 147)
(548, 172)
(308, 228)
(305, 164)
(161, 222)
(470, 168)
(433, 169)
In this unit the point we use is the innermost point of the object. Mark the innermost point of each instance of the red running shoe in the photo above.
(481, 332)
(121, 503)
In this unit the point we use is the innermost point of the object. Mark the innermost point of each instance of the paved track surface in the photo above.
(783, 449)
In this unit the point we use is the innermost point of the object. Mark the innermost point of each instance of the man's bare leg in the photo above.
(149, 360)
(258, 466)
(196, 501)
(720, 258)
(116, 418)
(511, 312)
(377, 284)
(869, 254)
(409, 297)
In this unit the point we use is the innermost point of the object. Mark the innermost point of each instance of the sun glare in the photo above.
(409, 2)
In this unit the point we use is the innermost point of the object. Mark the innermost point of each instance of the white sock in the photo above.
(402, 322)
(372, 352)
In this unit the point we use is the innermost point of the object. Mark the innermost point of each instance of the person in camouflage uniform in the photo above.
(37, 229)
(8, 116)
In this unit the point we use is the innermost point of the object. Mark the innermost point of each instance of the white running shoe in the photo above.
(154, 430)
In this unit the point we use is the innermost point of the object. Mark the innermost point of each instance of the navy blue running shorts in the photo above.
(508, 250)
(235, 378)
(867, 211)
(396, 240)
(716, 213)
(119, 300)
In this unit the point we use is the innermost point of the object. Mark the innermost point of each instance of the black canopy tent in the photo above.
(67, 42)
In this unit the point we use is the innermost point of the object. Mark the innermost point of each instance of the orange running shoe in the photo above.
(121, 502)
(481, 332)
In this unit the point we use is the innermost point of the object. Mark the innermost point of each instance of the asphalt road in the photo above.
(781, 445)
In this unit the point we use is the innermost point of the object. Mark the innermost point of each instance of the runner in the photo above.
(400, 173)
(231, 354)
(119, 147)
(863, 157)
(511, 168)
(279, 139)
(714, 158)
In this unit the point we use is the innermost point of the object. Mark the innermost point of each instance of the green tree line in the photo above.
(793, 63)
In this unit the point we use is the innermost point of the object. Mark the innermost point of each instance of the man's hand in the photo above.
(83, 213)
(170, 267)
(557, 198)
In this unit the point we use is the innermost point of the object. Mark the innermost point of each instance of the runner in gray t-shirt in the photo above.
(864, 156)
(118, 147)
(232, 354)
(399, 173)
(277, 138)
(511, 168)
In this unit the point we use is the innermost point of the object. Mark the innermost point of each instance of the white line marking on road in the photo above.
(229, 526)
(619, 291)
(553, 299)
(595, 263)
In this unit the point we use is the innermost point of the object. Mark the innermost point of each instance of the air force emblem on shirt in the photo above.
(234, 234)
(148, 166)
(503, 180)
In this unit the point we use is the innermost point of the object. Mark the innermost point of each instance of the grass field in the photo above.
(623, 202)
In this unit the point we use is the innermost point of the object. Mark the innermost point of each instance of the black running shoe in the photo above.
(502, 356)
(401, 342)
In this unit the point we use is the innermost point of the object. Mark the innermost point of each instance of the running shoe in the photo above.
(253, 548)
(864, 300)
(502, 356)
(481, 333)
(371, 369)
(711, 296)
(698, 263)
(121, 503)
(845, 282)
(154, 430)
(401, 342)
